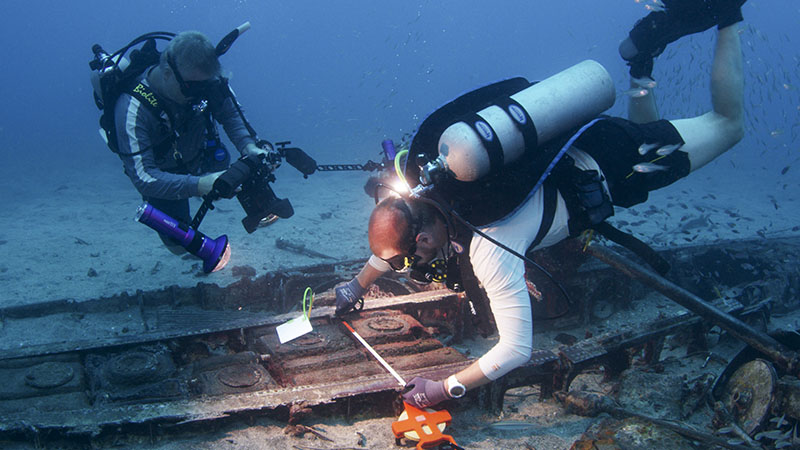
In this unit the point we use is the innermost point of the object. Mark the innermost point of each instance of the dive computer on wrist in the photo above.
(454, 388)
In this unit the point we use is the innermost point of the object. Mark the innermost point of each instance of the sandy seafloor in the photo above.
(59, 223)
(62, 222)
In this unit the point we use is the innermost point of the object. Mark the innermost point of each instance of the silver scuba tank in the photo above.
(554, 106)
(104, 66)
(101, 66)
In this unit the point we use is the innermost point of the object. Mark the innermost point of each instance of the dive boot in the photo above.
(651, 35)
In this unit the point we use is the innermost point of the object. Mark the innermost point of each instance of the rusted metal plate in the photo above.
(183, 355)
(583, 352)
(749, 394)
(207, 376)
(190, 320)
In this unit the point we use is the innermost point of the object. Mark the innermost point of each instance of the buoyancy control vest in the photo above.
(483, 188)
(500, 185)
(116, 74)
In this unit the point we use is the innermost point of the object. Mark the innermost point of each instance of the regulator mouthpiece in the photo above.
(433, 170)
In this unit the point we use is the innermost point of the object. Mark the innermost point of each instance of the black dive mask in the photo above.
(195, 90)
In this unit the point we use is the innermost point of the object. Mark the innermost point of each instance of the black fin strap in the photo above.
(522, 120)
(490, 140)
(548, 213)
(642, 250)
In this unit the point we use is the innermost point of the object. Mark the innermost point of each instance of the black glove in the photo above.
(347, 295)
(422, 393)
(300, 160)
(226, 184)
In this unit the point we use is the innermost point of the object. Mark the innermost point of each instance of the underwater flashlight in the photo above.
(215, 253)
(389, 150)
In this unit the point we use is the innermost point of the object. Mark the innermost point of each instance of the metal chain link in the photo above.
(369, 166)
(335, 167)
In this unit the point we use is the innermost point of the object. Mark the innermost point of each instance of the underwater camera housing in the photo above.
(258, 199)
(249, 178)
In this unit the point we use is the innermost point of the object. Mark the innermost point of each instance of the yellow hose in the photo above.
(399, 171)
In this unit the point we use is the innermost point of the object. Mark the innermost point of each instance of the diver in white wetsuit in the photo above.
(609, 158)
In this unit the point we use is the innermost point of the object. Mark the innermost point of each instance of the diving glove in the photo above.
(422, 392)
(347, 295)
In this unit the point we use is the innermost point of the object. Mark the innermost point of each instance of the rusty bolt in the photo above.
(742, 398)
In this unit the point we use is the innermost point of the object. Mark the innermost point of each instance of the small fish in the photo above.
(785, 169)
(667, 149)
(511, 425)
(645, 82)
(774, 435)
(778, 420)
(644, 148)
(654, 7)
(636, 92)
(648, 167)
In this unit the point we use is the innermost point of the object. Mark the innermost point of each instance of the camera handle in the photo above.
(226, 185)
(207, 205)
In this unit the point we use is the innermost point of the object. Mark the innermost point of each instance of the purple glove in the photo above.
(421, 393)
(347, 295)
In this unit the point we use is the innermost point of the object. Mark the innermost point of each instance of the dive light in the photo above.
(215, 253)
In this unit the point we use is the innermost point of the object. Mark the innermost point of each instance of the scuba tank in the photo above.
(496, 136)
(102, 65)
(114, 74)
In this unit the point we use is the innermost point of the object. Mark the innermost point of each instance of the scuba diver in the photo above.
(163, 124)
(525, 173)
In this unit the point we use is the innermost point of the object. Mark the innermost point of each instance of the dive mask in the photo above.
(192, 89)
(403, 262)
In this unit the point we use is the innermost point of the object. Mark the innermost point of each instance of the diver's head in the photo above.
(190, 66)
(404, 232)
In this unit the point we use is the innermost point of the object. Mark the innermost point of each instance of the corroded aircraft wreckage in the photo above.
(183, 355)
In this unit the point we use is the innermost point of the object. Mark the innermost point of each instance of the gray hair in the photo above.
(191, 50)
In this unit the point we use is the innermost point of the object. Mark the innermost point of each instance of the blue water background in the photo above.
(337, 77)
